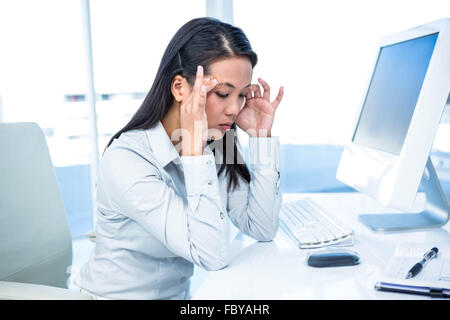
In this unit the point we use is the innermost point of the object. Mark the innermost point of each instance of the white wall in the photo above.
(323, 53)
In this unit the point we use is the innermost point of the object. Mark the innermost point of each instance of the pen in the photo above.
(419, 265)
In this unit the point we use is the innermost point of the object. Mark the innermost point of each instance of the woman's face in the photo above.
(226, 99)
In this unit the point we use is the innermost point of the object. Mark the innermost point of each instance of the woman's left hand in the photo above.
(257, 115)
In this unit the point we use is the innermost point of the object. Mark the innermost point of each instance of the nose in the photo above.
(232, 110)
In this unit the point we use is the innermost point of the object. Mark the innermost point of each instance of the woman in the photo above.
(170, 177)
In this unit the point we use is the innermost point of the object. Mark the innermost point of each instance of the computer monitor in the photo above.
(387, 155)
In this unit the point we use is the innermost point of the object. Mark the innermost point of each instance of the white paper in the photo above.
(436, 272)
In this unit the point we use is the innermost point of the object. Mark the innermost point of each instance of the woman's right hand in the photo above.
(193, 120)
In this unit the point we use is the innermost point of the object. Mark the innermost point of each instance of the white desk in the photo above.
(278, 269)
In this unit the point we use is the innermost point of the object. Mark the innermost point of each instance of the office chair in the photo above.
(35, 239)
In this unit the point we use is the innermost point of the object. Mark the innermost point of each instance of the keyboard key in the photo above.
(287, 219)
(339, 226)
(310, 226)
(303, 214)
(305, 235)
(296, 218)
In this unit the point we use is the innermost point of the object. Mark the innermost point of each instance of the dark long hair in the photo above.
(200, 41)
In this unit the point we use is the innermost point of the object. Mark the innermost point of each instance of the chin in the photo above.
(216, 133)
(215, 137)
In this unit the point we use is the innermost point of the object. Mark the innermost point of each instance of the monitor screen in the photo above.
(393, 92)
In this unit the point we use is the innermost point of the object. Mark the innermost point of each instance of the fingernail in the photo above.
(203, 88)
(199, 68)
(214, 81)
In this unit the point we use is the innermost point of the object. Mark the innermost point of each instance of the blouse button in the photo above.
(209, 162)
(221, 215)
(210, 182)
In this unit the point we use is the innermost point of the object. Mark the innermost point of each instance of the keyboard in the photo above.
(309, 226)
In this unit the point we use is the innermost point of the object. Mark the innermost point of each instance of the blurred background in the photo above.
(321, 51)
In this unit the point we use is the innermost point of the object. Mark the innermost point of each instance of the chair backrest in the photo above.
(35, 240)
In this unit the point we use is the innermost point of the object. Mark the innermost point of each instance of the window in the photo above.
(42, 61)
(128, 44)
(43, 77)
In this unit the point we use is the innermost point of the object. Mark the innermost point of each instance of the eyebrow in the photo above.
(230, 85)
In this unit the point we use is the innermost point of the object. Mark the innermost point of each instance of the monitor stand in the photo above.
(435, 214)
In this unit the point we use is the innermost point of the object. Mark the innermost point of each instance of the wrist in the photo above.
(192, 151)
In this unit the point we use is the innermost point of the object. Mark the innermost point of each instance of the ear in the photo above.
(180, 88)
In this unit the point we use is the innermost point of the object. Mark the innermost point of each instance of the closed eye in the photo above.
(222, 95)
(226, 95)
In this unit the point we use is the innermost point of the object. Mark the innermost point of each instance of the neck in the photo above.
(171, 121)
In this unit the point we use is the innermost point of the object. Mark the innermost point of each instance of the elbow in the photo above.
(265, 230)
(268, 234)
(214, 265)
(214, 260)
(267, 237)
(211, 252)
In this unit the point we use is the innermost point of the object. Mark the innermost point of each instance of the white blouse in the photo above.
(159, 214)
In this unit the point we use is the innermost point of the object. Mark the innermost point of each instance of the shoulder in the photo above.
(132, 140)
(129, 154)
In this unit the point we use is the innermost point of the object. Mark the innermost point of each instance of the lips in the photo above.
(225, 126)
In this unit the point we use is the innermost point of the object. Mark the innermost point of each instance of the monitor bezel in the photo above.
(394, 179)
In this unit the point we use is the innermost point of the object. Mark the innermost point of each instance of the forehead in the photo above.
(236, 70)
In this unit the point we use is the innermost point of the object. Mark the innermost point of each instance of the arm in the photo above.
(194, 230)
(28, 291)
(254, 208)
